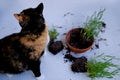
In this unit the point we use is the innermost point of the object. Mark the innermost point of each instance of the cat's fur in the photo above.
(22, 51)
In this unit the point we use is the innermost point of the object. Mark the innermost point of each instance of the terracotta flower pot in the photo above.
(74, 49)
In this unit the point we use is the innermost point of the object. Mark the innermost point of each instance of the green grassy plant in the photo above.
(93, 24)
(53, 34)
(102, 66)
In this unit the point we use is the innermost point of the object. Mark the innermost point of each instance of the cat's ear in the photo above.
(39, 8)
(19, 18)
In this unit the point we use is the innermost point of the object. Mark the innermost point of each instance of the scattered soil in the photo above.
(64, 33)
(70, 57)
(98, 41)
(104, 24)
(78, 40)
(55, 46)
(101, 39)
(97, 46)
(78, 64)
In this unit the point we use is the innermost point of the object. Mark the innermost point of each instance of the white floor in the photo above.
(64, 15)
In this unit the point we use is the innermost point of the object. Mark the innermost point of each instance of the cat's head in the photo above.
(31, 17)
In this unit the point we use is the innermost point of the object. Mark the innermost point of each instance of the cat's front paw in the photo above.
(42, 77)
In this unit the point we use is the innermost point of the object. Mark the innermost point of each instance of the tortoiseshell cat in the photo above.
(22, 51)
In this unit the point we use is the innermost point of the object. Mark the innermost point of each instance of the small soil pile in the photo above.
(78, 40)
(78, 64)
(55, 46)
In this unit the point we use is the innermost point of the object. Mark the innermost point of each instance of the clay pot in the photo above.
(74, 49)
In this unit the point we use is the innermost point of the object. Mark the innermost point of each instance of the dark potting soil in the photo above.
(104, 24)
(78, 64)
(55, 46)
(70, 57)
(78, 40)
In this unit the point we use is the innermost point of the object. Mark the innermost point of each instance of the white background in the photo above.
(53, 67)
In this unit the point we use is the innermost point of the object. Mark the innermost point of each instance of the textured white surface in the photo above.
(65, 14)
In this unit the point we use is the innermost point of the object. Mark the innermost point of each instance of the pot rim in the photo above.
(77, 50)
